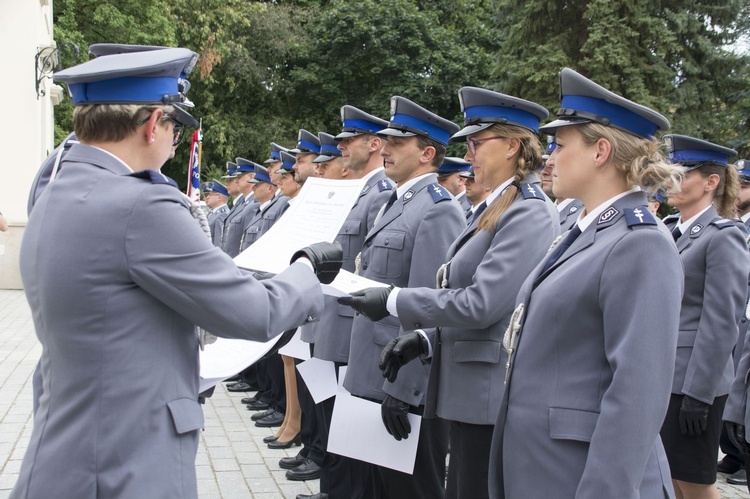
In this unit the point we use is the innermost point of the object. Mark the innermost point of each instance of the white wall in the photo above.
(27, 126)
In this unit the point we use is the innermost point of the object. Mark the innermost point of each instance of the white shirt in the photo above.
(684, 226)
(562, 204)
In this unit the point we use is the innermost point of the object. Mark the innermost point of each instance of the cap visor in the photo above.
(396, 133)
(345, 135)
(323, 158)
(460, 136)
(466, 174)
(550, 128)
(184, 117)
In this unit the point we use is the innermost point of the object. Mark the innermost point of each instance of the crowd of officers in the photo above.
(576, 348)
(405, 248)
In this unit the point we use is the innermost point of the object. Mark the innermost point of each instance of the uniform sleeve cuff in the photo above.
(429, 344)
(390, 305)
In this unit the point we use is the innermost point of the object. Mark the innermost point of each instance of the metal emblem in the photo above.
(393, 107)
(696, 229)
(365, 190)
(573, 209)
(608, 215)
(511, 335)
(408, 194)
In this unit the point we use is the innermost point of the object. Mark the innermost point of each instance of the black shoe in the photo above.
(269, 439)
(319, 495)
(240, 386)
(271, 421)
(308, 470)
(261, 415)
(233, 379)
(251, 400)
(725, 466)
(257, 406)
(289, 463)
(739, 477)
(278, 444)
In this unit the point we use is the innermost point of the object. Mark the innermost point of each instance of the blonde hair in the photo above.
(529, 159)
(639, 160)
(110, 122)
(727, 191)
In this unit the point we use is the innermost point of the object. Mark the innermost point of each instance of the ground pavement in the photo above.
(232, 462)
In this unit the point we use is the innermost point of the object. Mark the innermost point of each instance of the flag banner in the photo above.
(194, 170)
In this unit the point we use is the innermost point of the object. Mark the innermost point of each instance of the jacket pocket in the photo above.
(187, 415)
(686, 338)
(386, 255)
(477, 351)
(345, 310)
(572, 424)
(385, 330)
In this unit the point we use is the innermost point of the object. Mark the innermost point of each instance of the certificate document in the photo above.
(315, 215)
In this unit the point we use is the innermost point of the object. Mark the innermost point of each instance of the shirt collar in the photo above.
(116, 158)
(372, 174)
(585, 220)
(401, 190)
(684, 226)
(562, 204)
(497, 191)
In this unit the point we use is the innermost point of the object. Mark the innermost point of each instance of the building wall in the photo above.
(27, 128)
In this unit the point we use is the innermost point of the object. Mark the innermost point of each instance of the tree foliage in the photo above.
(268, 68)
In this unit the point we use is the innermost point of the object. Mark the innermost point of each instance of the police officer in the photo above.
(243, 209)
(590, 372)
(475, 193)
(406, 246)
(567, 208)
(716, 263)
(268, 209)
(216, 196)
(130, 301)
(486, 266)
(449, 176)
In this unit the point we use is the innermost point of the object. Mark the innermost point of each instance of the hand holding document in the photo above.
(346, 282)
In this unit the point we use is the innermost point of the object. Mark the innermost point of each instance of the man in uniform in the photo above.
(449, 176)
(475, 193)
(216, 195)
(405, 248)
(119, 415)
(233, 225)
(568, 208)
(267, 211)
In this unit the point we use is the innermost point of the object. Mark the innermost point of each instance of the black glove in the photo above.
(693, 416)
(395, 419)
(400, 351)
(262, 276)
(370, 302)
(326, 259)
(736, 434)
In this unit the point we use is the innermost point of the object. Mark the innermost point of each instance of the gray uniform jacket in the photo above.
(404, 248)
(569, 215)
(233, 225)
(591, 372)
(485, 272)
(332, 334)
(716, 264)
(216, 223)
(117, 273)
(463, 201)
(260, 222)
(49, 165)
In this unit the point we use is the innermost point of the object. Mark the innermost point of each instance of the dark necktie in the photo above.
(676, 232)
(562, 246)
(482, 206)
(390, 202)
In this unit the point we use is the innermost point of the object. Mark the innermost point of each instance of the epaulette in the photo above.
(639, 216)
(383, 185)
(531, 191)
(153, 176)
(674, 217)
(439, 193)
(722, 222)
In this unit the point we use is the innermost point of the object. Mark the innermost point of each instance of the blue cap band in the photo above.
(420, 127)
(130, 90)
(361, 126)
(220, 189)
(492, 113)
(617, 115)
(698, 156)
(262, 177)
(275, 155)
(308, 146)
(330, 150)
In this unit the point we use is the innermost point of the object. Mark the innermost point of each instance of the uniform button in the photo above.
(364, 266)
(386, 242)
(417, 393)
(417, 325)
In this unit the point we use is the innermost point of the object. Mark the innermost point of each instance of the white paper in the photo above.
(296, 347)
(226, 357)
(346, 282)
(320, 378)
(316, 214)
(357, 431)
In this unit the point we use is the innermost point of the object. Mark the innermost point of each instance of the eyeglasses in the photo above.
(176, 131)
(471, 144)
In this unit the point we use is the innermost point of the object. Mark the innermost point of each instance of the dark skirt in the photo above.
(693, 459)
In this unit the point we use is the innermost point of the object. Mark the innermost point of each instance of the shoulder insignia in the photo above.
(438, 193)
(723, 222)
(384, 185)
(695, 229)
(154, 177)
(607, 215)
(639, 216)
(530, 191)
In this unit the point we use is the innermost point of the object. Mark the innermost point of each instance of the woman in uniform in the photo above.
(509, 233)
(593, 339)
(716, 264)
